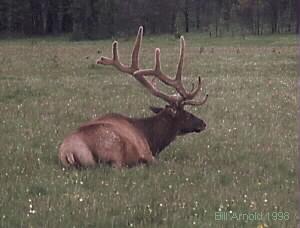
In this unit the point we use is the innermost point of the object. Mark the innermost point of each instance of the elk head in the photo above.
(186, 122)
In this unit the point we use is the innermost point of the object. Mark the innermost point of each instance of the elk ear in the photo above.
(155, 109)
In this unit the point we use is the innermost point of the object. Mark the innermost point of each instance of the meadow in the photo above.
(243, 163)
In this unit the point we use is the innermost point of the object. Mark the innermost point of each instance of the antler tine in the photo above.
(176, 83)
(193, 93)
(187, 96)
(171, 99)
(179, 86)
(195, 103)
(156, 71)
(115, 52)
(114, 60)
(157, 60)
(180, 62)
(136, 49)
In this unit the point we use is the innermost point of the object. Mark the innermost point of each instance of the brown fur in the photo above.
(110, 139)
(123, 141)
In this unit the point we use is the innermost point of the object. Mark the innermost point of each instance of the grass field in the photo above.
(244, 163)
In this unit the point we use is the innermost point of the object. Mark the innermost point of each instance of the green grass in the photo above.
(245, 161)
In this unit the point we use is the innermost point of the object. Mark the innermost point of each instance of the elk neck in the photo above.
(160, 130)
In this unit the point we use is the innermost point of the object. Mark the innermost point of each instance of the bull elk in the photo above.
(122, 141)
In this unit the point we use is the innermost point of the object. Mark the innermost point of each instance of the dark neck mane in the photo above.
(159, 130)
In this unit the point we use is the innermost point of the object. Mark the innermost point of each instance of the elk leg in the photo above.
(117, 164)
(148, 160)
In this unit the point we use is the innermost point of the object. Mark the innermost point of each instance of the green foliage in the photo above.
(245, 161)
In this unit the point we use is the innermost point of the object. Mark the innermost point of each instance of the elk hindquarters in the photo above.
(75, 152)
(112, 142)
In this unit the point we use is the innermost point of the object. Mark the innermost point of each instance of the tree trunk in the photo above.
(77, 16)
(217, 25)
(298, 114)
(257, 18)
(262, 29)
(10, 18)
(198, 15)
(44, 14)
(60, 16)
(173, 28)
(186, 16)
(298, 17)
(217, 15)
(128, 24)
(274, 15)
(111, 24)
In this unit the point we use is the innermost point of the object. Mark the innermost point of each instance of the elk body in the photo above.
(122, 141)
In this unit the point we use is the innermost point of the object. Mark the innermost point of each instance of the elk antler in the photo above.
(184, 98)
(115, 56)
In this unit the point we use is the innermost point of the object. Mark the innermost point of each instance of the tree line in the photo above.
(93, 19)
